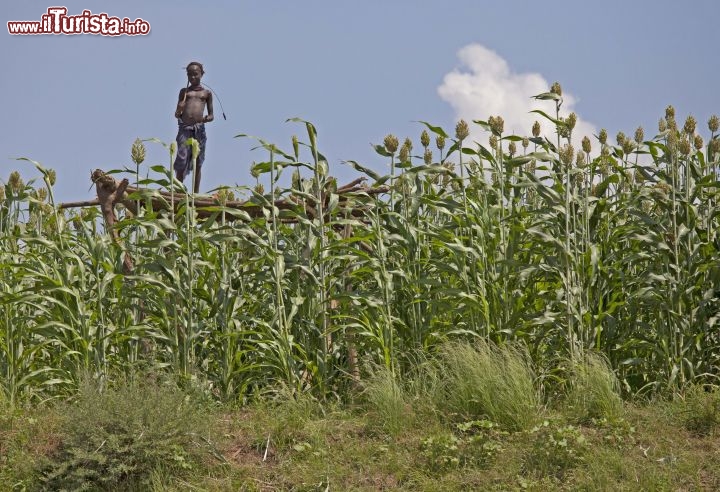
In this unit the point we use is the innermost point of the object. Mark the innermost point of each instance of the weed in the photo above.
(115, 438)
(701, 413)
(490, 381)
(476, 444)
(555, 449)
(593, 389)
(387, 399)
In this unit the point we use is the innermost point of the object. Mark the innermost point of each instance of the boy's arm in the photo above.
(209, 116)
(181, 104)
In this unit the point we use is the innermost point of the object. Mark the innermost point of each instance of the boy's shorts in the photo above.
(183, 160)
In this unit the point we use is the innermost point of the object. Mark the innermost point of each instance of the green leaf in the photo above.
(435, 129)
(556, 121)
(380, 149)
(547, 96)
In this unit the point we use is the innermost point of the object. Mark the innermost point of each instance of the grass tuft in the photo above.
(388, 400)
(488, 381)
(702, 410)
(593, 389)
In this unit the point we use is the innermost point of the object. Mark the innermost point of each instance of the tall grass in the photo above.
(614, 252)
(484, 381)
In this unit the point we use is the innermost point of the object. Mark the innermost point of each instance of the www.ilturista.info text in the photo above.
(56, 21)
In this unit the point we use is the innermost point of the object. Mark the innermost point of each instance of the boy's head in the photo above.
(194, 73)
(195, 64)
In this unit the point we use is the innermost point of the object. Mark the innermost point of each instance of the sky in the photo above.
(357, 70)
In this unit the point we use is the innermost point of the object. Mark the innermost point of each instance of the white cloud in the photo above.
(484, 85)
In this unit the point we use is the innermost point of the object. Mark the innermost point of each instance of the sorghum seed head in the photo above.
(579, 178)
(531, 166)
(493, 142)
(195, 148)
(525, 142)
(586, 145)
(440, 142)
(16, 182)
(620, 138)
(391, 143)
(259, 189)
(690, 125)
(425, 138)
(137, 152)
(427, 157)
(580, 158)
(605, 152)
(639, 134)
(404, 155)
(563, 130)
(2, 193)
(604, 165)
(536, 129)
(296, 146)
(714, 123)
(662, 125)
(698, 142)
(672, 141)
(51, 177)
(671, 124)
(462, 130)
(296, 180)
(714, 145)
(173, 148)
(670, 113)
(42, 194)
(602, 137)
(497, 124)
(222, 196)
(663, 188)
(571, 121)
(408, 143)
(566, 154)
(684, 146)
(556, 89)
(512, 148)
(628, 145)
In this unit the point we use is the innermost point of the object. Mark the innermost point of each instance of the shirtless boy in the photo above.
(190, 113)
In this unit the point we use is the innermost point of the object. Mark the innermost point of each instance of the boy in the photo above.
(190, 113)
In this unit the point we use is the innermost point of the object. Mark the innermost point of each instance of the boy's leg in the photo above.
(181, 159)
(197, 180)
(201, 137)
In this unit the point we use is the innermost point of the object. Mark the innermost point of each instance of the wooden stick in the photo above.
(86, 203)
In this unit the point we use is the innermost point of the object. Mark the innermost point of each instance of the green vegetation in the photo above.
(480, 302)
(150, 435)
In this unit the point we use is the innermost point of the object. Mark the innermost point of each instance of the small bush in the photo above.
(476, 444)
(593, 391)
(487, 381)
(554, 450)
(702, 410)
(616, 433)
(441, 452)
(115, 439)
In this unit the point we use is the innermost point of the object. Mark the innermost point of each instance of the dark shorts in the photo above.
(183, 160)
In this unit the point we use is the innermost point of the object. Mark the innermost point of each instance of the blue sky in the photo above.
(357, 70)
